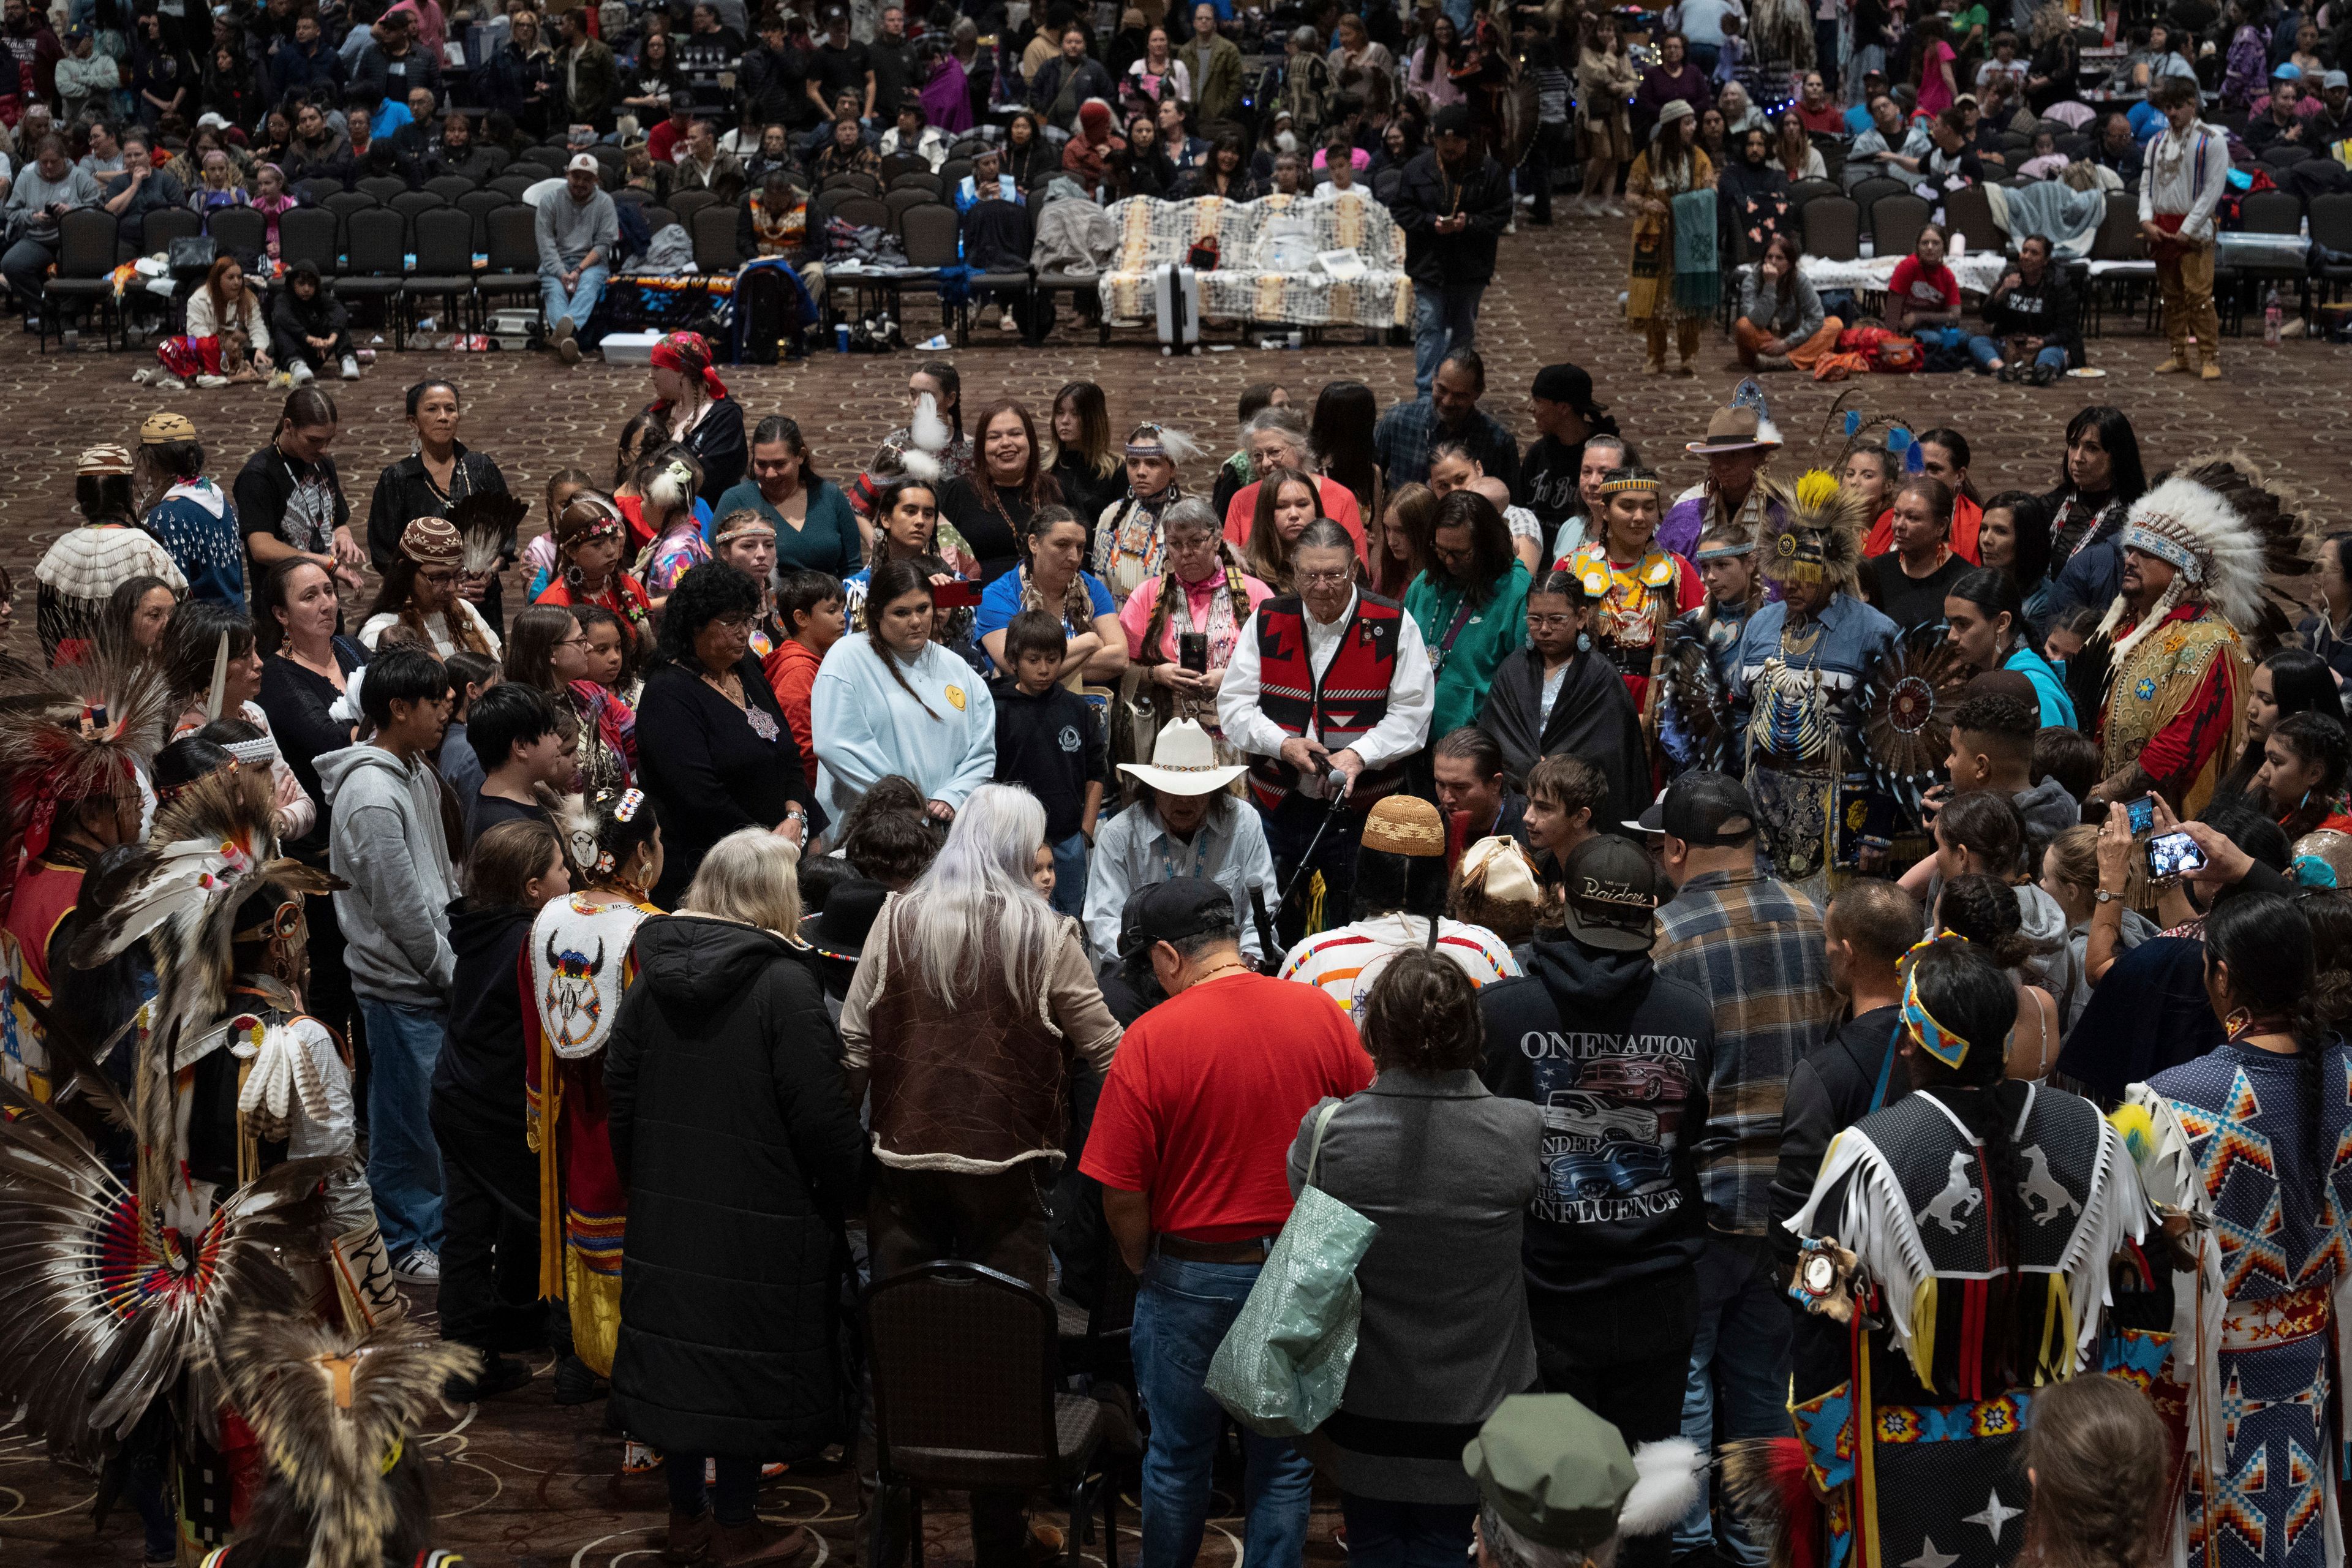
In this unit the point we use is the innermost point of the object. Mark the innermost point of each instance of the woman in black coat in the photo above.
(1592, 716)
(740, 1151)
(714, 752)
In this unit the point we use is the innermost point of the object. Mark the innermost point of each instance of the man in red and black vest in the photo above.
(1329, 692)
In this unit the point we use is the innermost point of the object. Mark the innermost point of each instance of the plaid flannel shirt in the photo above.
(1408, 432)
(1753, 945)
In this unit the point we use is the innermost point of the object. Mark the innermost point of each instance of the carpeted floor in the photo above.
(522, 1482)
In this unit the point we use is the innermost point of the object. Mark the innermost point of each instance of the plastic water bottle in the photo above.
(2272, 315)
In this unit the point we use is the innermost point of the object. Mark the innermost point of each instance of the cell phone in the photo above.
(2142, 813)
(1192, 651)
(956, 596)
(2173, 855)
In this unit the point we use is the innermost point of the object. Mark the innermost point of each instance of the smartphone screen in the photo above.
(2142, 813)
(2173, 855)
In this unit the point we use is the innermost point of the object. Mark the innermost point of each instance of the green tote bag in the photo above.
(1283, 1367)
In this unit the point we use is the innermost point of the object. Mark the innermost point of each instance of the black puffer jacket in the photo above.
(740, 1151)
(478, 1082)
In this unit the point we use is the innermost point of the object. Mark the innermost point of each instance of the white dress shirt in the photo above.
(1403, 729)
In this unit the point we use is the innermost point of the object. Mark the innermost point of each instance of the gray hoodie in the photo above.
(2049, 811)
(386, 841)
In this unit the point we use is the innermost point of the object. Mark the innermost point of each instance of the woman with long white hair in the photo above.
(971, 999)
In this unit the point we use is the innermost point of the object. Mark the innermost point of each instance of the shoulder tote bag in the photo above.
(1283, 1367)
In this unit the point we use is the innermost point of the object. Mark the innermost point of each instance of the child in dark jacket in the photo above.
(307, 325)
(1050, 740)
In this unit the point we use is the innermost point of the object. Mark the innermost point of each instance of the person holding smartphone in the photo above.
(1182, 626)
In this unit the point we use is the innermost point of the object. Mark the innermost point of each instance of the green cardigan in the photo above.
(1493, 630)
(827, 539)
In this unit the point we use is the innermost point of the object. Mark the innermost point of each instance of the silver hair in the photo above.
(1616, 441)
(1503, 1547)
(1308, 38)
(1273, 421)
(981, 882)
(1190, 512)
(751, 876)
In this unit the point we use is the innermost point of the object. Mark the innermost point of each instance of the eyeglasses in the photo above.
(440, 579)
(1549, 622)
(1323, 579)
(731, 622)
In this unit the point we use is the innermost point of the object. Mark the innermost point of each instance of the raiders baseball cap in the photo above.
(1710, 809)
(1613, 890)
(1171, 911)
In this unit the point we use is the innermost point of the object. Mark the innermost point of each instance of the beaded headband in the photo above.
(1937, 1041)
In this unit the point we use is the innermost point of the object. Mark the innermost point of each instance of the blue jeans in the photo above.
(1739, 1375)
(1984, 351)
(1444, 319)
(1182, 1313)
(1383, 1534)
(404, 1158)
(1070, 875)
(581, 305)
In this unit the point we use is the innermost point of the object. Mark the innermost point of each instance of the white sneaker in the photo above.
(351, 368)
(169, 383)
(141, 377)
(303, 375)
(209, 381)
(421, 1266)
(1613, 209)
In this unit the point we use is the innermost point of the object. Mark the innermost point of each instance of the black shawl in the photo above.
(1594, 719)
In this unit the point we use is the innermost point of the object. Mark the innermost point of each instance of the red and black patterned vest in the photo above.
(1344, 705)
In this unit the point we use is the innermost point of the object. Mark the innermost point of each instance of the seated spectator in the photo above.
(914, 135)
(2032, 327)
(703, 166)
(458, 153)
(845, 152)
(1816, 110)
(2280, 125)
(1794, 150)
(1226, 173)
(308, 327)
(1144, 169)
(1877, 152)
(1923, 293)
(1781, 325)
(1085, 156)
(987, 182)
(1951, 162)
(2003, 66)
(775, 219)
(2044, 162)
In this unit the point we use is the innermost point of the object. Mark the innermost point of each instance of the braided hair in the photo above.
(620, 822)
(1188, 513)
(892, 580)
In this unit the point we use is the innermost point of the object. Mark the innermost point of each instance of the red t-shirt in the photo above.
(1922, 289)
(1205, 1096)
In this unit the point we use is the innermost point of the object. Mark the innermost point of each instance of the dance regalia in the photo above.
(1797, 697)
(1912, 1410)
(1702, 668)
(622, 594)
(1632, 606)
(2176, 705)
(2251, 1389)
(578, 962)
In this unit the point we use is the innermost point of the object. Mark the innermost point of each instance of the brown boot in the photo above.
(689, 1538)
(2174, 365)
(756, 1545)
(2212, 371)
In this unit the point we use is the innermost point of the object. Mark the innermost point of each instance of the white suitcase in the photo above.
(1176, 308)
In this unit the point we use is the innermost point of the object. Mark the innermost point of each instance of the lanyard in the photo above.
(1885, 1071)
(1167, 872)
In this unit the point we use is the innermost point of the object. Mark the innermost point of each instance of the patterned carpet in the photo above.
(522, 1482)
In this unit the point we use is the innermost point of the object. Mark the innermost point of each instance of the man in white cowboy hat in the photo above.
(1329, 691)
(1739, 441)
(1185, 823)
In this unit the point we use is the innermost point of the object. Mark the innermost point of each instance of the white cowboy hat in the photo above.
(1184, 762)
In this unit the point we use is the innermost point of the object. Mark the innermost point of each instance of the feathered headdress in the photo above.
(95, 1324)
(215, 845)
(2230, 541)
(335, 1414)
(1820, 540)
(1162, 441)
(487, 521)
(81, 731)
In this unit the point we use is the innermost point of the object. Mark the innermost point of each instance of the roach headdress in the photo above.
(79, 732)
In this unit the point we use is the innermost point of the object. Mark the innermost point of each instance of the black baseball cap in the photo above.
(1710, 809)
(1170, 911)
(1613, 890)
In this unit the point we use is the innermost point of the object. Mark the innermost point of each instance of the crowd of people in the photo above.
(1011, 851)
